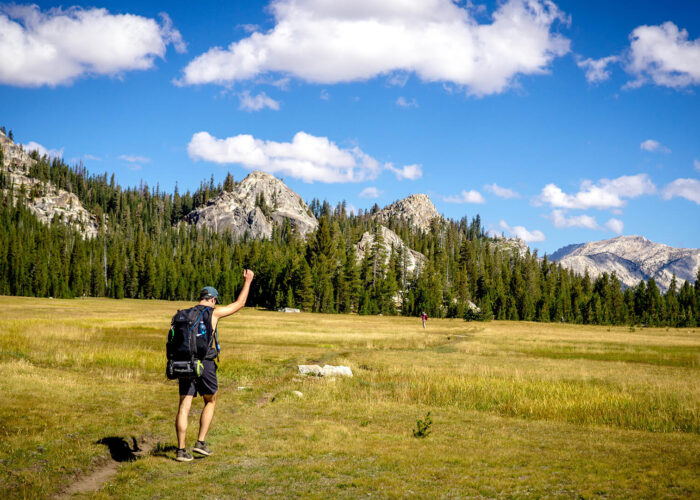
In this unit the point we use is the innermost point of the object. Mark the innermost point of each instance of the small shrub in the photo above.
(423, 427)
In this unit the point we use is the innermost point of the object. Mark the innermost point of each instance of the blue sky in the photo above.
(558, 122)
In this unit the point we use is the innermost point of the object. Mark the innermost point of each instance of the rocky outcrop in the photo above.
(414, 260)
(256, 204)
(416, 209)
(15, 158)
(632, 259)
(515, 245)
(326, 371)
(46, 201)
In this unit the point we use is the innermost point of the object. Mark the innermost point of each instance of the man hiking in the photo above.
(206, 385)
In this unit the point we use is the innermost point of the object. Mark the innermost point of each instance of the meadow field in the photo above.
(518, 409)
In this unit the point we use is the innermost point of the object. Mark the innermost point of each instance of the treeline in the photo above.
(143, 252)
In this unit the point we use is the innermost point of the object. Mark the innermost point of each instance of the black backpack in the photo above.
(189, 342)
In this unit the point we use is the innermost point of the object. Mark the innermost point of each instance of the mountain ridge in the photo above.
(632, 259)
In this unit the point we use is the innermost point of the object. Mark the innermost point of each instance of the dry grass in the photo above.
(519, 409)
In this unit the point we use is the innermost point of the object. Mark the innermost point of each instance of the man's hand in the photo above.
(222, 312)
(248, 275)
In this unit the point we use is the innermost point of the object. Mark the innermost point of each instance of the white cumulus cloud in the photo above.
(501, 191)
(654, 146)
(370, 192)
(438, 40)
(606, 194)
(663, 55)
(596, 69)
(257, 102)
(522, 233)
(307, 157)
(685, 188)
(471, 196)
(410, 172)
(57, 46)
(35, 146)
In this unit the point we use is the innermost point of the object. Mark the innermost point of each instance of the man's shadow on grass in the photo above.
(119, 448)
(122, 450)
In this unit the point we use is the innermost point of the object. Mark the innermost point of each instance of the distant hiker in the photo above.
(424, 318)
(206, 383)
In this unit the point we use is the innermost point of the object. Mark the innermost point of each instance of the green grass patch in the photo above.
(518, 409)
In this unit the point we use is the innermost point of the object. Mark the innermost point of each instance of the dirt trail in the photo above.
(120, 451)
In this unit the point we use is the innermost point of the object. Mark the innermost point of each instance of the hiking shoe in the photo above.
(201, 448)
(182, 456)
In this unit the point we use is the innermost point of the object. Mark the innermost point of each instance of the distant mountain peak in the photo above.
(632, 259)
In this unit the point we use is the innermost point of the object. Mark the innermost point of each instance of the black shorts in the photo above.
(204, 385)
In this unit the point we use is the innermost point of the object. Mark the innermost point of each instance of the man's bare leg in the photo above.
(207, 415)
(181, 420)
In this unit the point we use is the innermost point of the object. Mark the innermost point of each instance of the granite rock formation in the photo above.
(414, 260)
(46, 201)
(255, 206)
(416, 209)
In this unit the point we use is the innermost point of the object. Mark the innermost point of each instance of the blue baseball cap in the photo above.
(209, 291)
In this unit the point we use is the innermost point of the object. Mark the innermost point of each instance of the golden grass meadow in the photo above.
(519, 410)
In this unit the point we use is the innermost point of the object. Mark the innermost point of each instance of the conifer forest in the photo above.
(145, 251)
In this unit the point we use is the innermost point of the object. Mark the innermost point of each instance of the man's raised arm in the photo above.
(222, 312)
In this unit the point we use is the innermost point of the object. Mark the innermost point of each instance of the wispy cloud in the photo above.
(471, 196)
(522, 233)
(615, 225)
(249, 28)
(696, 164)
(405, 103)
(561, 220)
(654, 146)
(410, 172)
(256, 102)
(501, 191)
(398, 79)
(596, 69)
(325, 96)
(683, 188)
(134, 159)
(370, 192)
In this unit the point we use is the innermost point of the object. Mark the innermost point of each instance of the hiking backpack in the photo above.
(189, 342)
